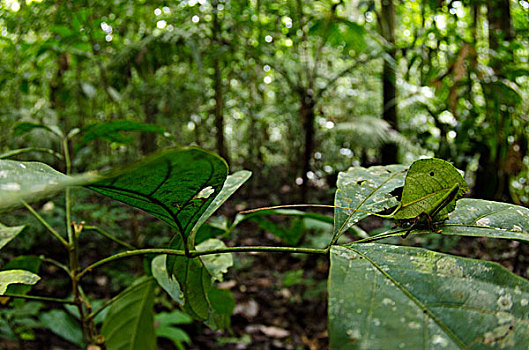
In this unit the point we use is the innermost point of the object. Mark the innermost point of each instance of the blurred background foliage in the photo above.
(295, 89)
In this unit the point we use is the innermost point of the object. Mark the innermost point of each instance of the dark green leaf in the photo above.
(383, 296)
(172, 318)
(25, 127)
(176, 186)
(113, 131)
(64, 325)
(130, 320)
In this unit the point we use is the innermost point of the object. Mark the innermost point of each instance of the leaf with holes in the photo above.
(367, 189)
(8, 277)
(176, 186)
(390, 297)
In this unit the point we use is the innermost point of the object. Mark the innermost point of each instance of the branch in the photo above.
(45, 224)
(196, 253)
(37, 298)
(109, 236)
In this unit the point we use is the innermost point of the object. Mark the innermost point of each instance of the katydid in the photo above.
(431, 188)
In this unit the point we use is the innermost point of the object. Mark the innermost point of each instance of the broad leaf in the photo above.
(216, 264)
(8, 233)
(176, 186)
(32, 181)
(26, 263)
(481, 218)
(165, 326)
(64, 325)
(232, 184)
(427, 182)
(130, 321)
(8, 277)
(367, 189)
(383, 296)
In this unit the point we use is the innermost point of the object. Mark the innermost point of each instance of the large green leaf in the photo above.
(481, 218)
(232, 184)
(176, 186)
(390, 297)
(8, 233)
(130, 321)
(367, 189)
(428, 181)
(32, 181)
(8, 277)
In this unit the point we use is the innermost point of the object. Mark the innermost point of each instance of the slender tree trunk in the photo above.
(492, 179)
(389, 152)
(148, 140)
(307, 114)
(217, 86)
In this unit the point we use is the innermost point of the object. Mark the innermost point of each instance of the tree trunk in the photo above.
(492, 179)
(306, 112)
(217, 86)
(389, 152)
(148, 140)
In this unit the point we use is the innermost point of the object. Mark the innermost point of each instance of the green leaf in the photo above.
(176, 186)
(64, 325)
(232, 184)
(16, 276)
(383, 296)
(26, 263)
(172, 318)
(481, 218)
(32, 181)
(165, 326)
(8, 233)
(367, 189)
(25, 127)
(175, 334)
(113, 131)
(168, 283)
(216, 264)
(130, 320)
(290, 235)
(427, 182)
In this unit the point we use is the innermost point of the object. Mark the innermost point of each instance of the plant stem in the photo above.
(45, 224)
(56, 263)
(109, 236)
(31, 149)
(195, 253)
(37, 298)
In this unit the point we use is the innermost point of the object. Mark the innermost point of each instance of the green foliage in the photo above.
(390, 296)
(8, 277)
(130, 321)
(63, 324)
(8, 233)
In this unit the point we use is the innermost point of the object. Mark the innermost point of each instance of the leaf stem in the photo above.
(31, 149)
(45, 224)
(38, 298)
(109, 236)
(195, 253)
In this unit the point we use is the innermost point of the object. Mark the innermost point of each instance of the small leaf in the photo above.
(25, 127)
(428, 181)
(367, 189)
(64, 325)
(232, 184)
(165, 185)
(130, 320)
(384, 296)
(8, 233)
(112, 131)
(16, 276)
(216, 264)
(481, 218)
(169, 284)
(26, 263)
